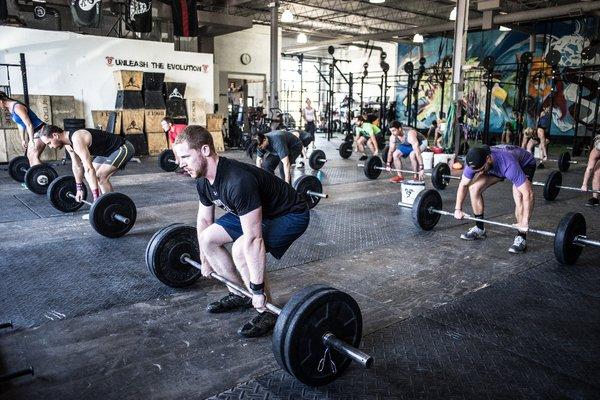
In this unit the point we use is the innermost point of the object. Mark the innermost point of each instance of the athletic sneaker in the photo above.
(229, 303)
(300, 164)
(397, 179)
(474, 234)
(518, 246)
(85, 217)
(363, 157)
(593, 202)
(260, 325)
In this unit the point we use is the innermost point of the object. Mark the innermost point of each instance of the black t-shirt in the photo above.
(240, 188)
(280, 144)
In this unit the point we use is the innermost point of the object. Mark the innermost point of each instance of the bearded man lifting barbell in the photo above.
(263, 214)
(487, 166)
(405, 142)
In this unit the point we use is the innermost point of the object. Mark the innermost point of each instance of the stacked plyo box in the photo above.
(214, 124)
(131, 105)
(176, 105)
(154, 103)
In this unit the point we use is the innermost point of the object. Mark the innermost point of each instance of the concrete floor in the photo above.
(95, 325)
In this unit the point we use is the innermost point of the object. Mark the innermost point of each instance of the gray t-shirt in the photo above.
(280, 143)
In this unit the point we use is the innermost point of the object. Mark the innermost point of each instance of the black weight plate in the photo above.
(103, 210)
(526, 57)
(17, 167)
(409, 67)
(309, 182)
(570, 226)
(421, 216)
(314, 161)
(163, 255)
(437, 176)
(384, 154)
(551, 187)
(165, 161)
(371, 168)
(345, 150)
(330, 311)
(57, 194)
(39, 177)
(563, 161)
(553, 57)
(284, 319)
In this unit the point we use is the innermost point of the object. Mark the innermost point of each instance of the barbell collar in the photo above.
(122, 219)
(329, 339)
(317, 194)
(583, 240)
(172, 161)
(322, 160)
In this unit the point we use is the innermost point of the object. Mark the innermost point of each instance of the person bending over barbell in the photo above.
(366, 133)
(593, 171)
(263, 214)
(95, 154)
(486, 166)
(405, 142)
(28, 124)
(273, 148)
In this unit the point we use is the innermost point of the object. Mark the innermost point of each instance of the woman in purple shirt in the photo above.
(487, 166)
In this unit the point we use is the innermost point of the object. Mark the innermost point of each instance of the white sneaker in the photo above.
(519, 245)
(474, 234)
(85, 217)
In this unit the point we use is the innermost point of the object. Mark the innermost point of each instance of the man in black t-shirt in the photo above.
(275, 147)
(263, 214)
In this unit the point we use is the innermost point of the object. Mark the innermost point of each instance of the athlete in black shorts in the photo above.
(95, 153)
(263, 215)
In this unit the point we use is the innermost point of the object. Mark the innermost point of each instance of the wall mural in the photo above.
(569, 38)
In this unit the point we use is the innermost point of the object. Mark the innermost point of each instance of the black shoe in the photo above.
(229, 303)
(593, 202)
(258, 326)
(363, 157)
(541, 166)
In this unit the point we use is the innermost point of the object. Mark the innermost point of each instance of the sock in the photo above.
(523, 235)
(479, 224)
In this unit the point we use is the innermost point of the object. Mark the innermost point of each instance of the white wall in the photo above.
(64, 63)
(255, 41)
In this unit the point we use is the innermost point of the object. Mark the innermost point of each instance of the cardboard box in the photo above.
(218, 141)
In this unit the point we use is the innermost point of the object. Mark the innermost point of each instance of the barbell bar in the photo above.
(569, 237)
(317, 159)
(311, 187)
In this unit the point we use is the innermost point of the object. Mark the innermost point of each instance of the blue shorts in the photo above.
(405, 149)
(278, 233)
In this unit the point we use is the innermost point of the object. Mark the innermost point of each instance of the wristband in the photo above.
(458, 209)
(96, 193)
(421, 167)
(79, 186)
(257, 288)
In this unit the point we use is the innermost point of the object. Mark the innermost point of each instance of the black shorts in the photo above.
(118, 158)
(529, 171)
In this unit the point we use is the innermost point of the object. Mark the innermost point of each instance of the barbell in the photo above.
(111, 215)
(345, 149)
(374, 165)
(317, 159)
(440, 177)
(564, 161)
(166, 161)
(17, 167)
(312, 189)
(36, 178)
(317, 332)
(569, 237)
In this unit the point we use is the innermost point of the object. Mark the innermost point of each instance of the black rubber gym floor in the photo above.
(444, 318)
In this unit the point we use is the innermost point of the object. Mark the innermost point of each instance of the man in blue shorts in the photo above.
(487, 166)
(263, 215)
(405, 142)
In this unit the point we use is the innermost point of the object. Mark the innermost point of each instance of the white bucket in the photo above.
(410, 190)
(427, 159)
(439, 158)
